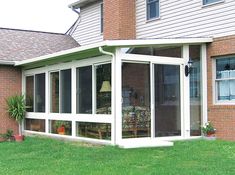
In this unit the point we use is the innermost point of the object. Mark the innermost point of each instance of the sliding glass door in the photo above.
(167, 103)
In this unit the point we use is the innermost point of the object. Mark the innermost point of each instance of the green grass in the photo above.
(47, 156)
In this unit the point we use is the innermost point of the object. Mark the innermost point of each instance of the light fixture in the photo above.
(106, 87)
(188, 67)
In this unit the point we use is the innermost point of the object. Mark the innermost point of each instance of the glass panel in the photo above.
(65, 84)
(103, 89)
(167, 100)
(84, 90)
(152, 9)
(223, 90)
(54, 81)
(35, 125)
(210, 1)
(29, 93)
(136, 116)
(166, 51)
(40, 92)
(195, 91)
(94, 130)
(60, 127)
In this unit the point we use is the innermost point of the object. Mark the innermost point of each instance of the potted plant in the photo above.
(208, 129)
(61, 126)
(16, 109)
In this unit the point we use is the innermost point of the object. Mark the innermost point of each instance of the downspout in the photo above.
(113, 96)
(75, 24)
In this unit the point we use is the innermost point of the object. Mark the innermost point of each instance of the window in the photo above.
(206, 2)
(30, 93)
(40, 92)
(225, 79)
(101, 18)
(152, 9)
(54, 78)
(103, 89)
(65, 87)
(60, 91)
(35, 93)
(84, 90)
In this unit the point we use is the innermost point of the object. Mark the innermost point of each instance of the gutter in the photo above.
(11, 63)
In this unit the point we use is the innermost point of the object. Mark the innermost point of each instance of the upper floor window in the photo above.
(152, 9)
(225, 79)
(101, 18)
(206, 2)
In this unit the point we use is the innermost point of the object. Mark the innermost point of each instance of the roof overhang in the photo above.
(81, 3)
(10, 63)
(116, 43)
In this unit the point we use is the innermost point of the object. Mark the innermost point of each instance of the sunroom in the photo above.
(133, 93)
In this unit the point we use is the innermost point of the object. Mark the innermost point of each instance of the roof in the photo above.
(115, 43)
(81, 3)
(18, 45)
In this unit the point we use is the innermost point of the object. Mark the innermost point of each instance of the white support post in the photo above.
(204, 83)
(186, 97)
(73, 98)
(23, 86)
(47, 101)
(118, 95)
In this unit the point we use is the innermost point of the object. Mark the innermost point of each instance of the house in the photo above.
(147, 72)
(17, 45)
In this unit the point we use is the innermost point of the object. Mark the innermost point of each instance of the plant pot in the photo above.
(61, 130)
(19, 138)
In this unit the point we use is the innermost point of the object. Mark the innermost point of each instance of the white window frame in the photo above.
(73, 117)
(148, 19)
(215, 87)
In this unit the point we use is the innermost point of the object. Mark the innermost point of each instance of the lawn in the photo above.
(47, 156)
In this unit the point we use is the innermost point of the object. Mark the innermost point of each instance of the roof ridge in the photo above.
(36, 31)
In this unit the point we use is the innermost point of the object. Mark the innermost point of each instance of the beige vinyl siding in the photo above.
(186, 18)
(88, 30)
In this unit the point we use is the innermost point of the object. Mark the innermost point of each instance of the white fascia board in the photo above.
(3, 62)
(118, 43)
(80, 3)
(142, 42)
(57, 54)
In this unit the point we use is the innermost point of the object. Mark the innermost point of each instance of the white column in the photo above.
(118, 97)
(204, 83)
(47, 101)
(73, 98)
(186, 97)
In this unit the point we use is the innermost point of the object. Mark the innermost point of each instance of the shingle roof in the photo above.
(16, 45)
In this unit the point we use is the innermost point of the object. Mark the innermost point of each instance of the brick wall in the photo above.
(10, 84)
(222, 116)
(119, 19)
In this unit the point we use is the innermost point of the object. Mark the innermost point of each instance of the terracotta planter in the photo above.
(19, 138)
(61, 130)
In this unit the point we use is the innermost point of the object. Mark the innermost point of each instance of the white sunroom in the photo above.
(132, 93)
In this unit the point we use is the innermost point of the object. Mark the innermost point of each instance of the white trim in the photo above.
(204, 83)
(123, 43)
(186, 96)
(4, 62)
(67, 137)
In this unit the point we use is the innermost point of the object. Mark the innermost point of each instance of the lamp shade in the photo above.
(105, 87)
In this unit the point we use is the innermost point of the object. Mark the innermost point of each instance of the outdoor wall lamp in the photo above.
(188, 67)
